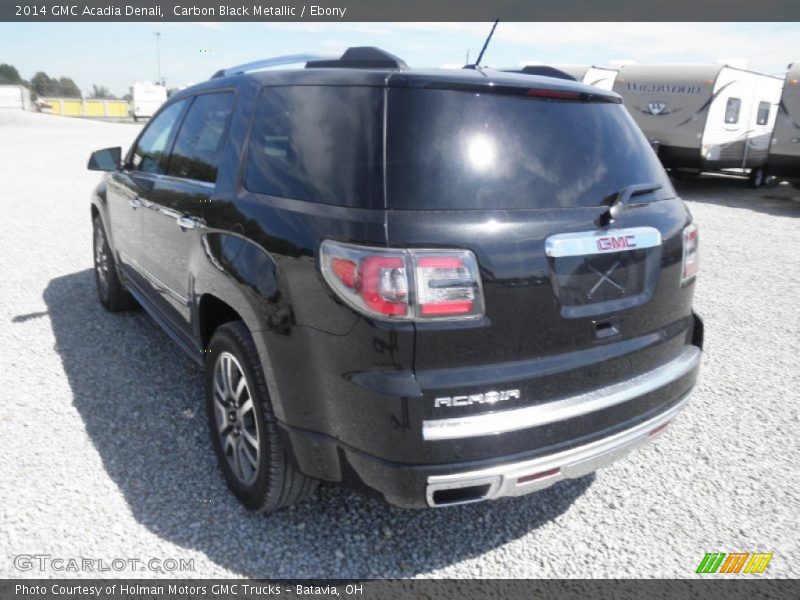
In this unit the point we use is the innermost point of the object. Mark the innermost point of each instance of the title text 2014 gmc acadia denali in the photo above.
(440, 286)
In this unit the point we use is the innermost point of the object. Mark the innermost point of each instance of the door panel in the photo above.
(172, 226)
(128, 186)
(172, 219)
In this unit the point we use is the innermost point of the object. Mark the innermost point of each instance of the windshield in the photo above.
(454, 149)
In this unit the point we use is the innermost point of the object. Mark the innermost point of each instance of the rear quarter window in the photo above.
(456, 149)
(318, 143)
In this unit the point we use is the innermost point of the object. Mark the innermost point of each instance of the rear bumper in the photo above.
(565, 438)
(566, 408)
(519, 478)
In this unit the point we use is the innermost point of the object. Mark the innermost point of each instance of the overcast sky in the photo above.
(117, 54)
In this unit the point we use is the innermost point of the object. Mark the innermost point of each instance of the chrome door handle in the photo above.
(135, 202)
(185, 222)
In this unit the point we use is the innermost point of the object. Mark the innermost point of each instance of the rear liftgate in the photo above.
(593, 273)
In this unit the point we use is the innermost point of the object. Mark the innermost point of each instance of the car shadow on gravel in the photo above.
(141, 401)
(734, 192)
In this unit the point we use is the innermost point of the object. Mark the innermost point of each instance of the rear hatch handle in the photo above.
(617, 206)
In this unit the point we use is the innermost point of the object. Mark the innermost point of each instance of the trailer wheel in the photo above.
(757, 177)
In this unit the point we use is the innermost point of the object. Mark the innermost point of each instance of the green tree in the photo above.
(69, 88)
(101, 92)
(44, 85)
(9, 75)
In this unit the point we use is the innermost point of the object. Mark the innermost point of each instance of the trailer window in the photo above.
(732, 110)
(762, 117)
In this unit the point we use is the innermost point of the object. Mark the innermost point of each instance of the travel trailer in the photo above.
(784, 153)
(146, 99)
(600, 77)
(703, 117)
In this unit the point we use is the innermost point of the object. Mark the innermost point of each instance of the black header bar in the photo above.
(399, 10)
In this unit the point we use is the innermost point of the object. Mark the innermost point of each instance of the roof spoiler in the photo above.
(361, 57)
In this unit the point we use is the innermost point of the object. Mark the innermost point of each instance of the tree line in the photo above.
(42, 85)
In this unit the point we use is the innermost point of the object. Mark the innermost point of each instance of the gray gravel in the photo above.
(104, 451)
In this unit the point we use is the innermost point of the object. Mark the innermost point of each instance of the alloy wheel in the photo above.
(234, 414)
(101, 260)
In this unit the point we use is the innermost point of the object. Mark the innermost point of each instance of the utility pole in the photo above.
(158, 56)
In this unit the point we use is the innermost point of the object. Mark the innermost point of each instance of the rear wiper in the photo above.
(617, 205)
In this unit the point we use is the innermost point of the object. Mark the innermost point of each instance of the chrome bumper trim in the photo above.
(567, 408)
(502, 480)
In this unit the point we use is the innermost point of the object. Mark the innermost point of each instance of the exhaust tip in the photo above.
(460, 495)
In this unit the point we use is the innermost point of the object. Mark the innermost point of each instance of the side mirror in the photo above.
(107, 159)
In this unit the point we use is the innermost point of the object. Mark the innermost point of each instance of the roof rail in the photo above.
(544, 71)
(276, 61)
(361, 57)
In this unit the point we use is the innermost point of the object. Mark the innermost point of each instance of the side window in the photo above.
(148, 154)
(732, 110)
(319, 144)
(762, 117)
(199, 143)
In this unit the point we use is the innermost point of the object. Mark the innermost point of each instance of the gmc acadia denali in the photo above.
(438, 286)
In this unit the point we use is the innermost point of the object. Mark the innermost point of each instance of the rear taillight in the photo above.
(690, 262)
(400, 284)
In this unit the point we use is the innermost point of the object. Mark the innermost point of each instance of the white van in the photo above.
(146, 99)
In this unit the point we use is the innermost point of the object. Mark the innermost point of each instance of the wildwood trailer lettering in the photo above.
(662, 88)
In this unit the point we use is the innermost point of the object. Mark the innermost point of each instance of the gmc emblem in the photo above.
(622, 242)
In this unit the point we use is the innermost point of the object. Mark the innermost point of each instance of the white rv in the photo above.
(146, 99)
(703, 117)
(784, 154)
(15, 96)
(600, 77)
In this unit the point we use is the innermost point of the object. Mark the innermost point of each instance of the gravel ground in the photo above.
(104, 450)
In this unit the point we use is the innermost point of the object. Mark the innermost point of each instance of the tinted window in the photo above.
(148, 154)
(732, 110)
(318, 143)
(199, 143)
(455, 149)
(762, 117)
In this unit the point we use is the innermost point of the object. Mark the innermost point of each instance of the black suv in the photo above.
(439, 286)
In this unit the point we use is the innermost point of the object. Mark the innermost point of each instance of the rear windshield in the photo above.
(455, 149)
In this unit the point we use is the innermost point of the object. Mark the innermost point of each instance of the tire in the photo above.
(757, 177)
(110, 290)
(243, 426)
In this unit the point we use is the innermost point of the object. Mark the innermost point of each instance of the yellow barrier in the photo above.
(91, 108)
(116, 108)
